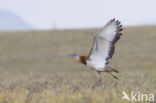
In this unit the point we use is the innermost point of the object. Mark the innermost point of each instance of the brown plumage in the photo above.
(82, 59)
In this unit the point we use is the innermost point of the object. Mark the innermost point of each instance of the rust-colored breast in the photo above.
(82, 59)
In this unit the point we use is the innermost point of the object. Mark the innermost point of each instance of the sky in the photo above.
(66, 14)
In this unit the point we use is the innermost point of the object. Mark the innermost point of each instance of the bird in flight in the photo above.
(102, 50)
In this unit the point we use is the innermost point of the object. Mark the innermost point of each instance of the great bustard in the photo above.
(102, 50)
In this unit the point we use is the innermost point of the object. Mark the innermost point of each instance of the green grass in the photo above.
(35, 67)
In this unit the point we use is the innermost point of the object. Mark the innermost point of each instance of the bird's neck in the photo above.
(82, 59)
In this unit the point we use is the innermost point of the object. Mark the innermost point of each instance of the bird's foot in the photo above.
(114, 70)
(115, 77)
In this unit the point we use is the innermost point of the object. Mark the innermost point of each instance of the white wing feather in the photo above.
(103, 43)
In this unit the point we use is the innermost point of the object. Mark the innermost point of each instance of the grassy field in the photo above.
(35, 67)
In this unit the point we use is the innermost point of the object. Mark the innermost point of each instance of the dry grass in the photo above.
(35, 67)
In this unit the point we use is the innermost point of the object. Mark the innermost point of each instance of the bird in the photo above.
(102, 50)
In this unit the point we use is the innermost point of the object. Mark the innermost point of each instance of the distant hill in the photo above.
(11, 21)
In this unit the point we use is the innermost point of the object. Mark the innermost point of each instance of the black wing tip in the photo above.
(117, 37)
(112, 19)
(118, 32)
(118, 23)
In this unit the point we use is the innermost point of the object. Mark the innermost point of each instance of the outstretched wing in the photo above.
(104, 41)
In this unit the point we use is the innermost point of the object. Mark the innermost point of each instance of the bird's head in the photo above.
(74, 56)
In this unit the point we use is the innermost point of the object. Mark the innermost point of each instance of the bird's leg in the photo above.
(113, 75)
(99, 79)
(114, 70)
(110, 69)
